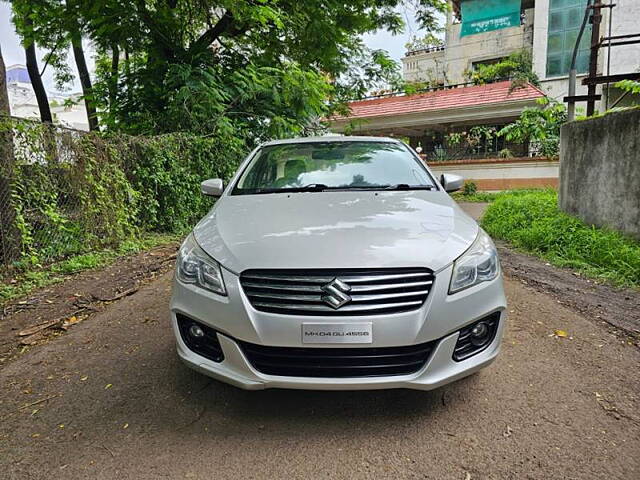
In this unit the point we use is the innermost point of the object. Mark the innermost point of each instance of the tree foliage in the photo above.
(430, 40)
(252, 68)
(630, 86)
(540, 127)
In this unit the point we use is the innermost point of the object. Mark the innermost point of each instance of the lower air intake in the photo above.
(337, 362)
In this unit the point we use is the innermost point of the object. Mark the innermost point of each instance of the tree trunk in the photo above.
(4, 94)
(36, 83)
(9, 233)
(85, 81)
(113, 84)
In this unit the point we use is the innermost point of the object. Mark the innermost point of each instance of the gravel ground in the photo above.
(109, 399)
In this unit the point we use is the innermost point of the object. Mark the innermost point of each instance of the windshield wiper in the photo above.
(406, 186)
(321, 187)
(312, 187)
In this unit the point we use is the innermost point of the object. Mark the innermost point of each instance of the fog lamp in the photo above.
(480, 334)
(195, 331)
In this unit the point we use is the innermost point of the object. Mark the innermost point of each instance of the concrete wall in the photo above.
(600, 171)
(425, 66)
(449, 66)
(494, 174)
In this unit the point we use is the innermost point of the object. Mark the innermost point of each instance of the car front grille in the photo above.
(354, 292)
(337, 362)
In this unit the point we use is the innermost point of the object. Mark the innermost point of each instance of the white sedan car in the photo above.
(337, 263)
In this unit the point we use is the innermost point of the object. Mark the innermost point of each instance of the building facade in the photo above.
(484, 32)
(67, 110)
(548, 28)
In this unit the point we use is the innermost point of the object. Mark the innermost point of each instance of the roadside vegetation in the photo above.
(91, 192)
(24, 282)
(532, 221)
(470, 194)
(181, 92)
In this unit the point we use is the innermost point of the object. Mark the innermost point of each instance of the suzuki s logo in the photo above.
(336, 293)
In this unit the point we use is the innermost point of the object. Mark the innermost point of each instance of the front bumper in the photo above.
(439, 319)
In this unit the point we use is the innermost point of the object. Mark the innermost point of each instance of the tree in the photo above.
(72, 26)
(5, 108)
(24, 18)
(36, 83)
(187, 60)
(253, 68)
(538, 126)
(9, 234)
(55, 26)
(430, 40)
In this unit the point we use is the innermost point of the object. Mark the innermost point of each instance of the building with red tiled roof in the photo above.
(428, 118)
(446, 99)
(539, 35)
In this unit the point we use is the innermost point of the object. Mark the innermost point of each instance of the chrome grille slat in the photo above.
(389, 286)
(279, 286)
(355, 298)
(318, 288)
(326, 279)
(325, 308)
(288, 296)
(368, 292)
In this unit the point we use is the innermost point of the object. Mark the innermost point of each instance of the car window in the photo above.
(332, 165)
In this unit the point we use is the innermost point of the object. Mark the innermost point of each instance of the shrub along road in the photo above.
(110, 399)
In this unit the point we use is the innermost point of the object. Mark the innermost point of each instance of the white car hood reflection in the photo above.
(357, 229)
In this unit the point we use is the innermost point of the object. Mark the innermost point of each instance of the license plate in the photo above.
(337, 333)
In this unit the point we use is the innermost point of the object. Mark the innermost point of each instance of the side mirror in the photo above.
(212, 187)
(451, 182)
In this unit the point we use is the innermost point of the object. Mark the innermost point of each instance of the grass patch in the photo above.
(22, 283)
(477, 197)
(489, 197)
(533, 222)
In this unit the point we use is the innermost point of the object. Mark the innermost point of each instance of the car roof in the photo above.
(330, 138)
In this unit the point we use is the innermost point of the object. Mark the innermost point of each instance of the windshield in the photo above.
(318, 166)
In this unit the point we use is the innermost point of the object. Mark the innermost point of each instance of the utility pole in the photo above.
(596, 19)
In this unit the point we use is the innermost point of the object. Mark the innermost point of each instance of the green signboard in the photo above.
(486, 15)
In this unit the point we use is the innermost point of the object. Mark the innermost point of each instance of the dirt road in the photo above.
(109, 399)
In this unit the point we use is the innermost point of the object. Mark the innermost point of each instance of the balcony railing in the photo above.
(418, 51)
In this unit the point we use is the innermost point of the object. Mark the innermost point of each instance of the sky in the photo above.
(14, 54)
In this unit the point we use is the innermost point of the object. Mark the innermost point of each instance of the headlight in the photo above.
(195, 266)
(476, 265)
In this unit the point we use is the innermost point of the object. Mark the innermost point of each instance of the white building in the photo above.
(67, 110)
(494, 29)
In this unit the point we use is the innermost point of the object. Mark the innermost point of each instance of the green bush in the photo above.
(72, 192)
(533, 222)
(518, 67)
(166, 172)
(470, 188)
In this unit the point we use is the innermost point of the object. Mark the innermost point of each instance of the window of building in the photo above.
(565, 19)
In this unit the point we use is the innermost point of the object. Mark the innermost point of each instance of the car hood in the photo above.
(336, 230)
